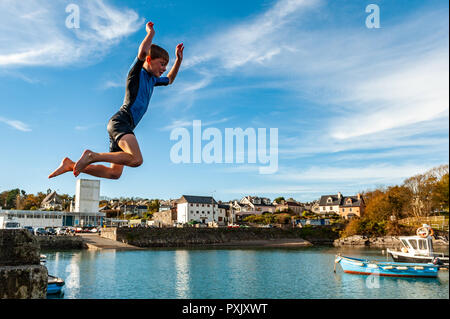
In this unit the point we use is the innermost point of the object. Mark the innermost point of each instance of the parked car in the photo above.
(40, 231)
(51, 231)
(61, 230)
(30, 229)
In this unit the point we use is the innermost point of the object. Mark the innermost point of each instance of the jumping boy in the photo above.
(144, 74)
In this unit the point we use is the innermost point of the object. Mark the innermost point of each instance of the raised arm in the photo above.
(144, 48)
(176, 66)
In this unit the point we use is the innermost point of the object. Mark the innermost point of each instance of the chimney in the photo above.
(359, 196)
(339, 195)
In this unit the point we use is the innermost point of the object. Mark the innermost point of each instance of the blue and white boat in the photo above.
(54, 285)
(352, 265)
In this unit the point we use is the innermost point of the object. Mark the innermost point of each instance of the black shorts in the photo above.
(119, 125)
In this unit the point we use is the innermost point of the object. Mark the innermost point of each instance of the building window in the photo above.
(191, 205)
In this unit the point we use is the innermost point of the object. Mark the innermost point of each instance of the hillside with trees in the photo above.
(422, 195)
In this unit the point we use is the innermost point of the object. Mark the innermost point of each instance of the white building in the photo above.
(87, 196)
(203, 209)
(38, 218)
(33, 218)
(329, 204)
(254, 204)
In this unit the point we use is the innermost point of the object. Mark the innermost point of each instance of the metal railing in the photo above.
(436, 222)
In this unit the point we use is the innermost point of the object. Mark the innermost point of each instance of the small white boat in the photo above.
(419, 249)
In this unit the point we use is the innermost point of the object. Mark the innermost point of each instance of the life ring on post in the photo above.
(422, 232)
(431, 232)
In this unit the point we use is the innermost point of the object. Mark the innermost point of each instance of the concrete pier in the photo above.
(94, 241)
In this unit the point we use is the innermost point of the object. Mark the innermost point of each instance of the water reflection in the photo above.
(72, 270)
(228, 273)
(182, 274)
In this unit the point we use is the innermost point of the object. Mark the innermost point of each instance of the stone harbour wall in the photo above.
(21, 274)
(61, 242)
(187, 237)
(386, 241)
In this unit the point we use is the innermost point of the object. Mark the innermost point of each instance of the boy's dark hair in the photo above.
(157, 52)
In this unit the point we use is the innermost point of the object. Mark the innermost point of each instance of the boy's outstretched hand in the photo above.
(149, 27)
(179, 51)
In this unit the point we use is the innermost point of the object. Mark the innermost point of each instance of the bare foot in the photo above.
(66, 166)
(84, 161)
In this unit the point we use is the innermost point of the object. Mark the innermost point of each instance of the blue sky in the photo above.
(355, 108)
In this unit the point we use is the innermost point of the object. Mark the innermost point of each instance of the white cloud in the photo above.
(113, 84)
(416, 92)
(423, 137)
(34, 31)
(18, 125)
(370, 82)
(371, 174)
(255, 40)
(189, 123)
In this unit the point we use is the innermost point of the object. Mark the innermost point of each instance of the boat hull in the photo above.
(388, 269)
(54, 285)
(398, 257)
(53, 289)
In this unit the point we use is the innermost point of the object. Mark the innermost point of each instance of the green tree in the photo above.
(279, 199)
(154, 205)
(440, 193)
(11, 198)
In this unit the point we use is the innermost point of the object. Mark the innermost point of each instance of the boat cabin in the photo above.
(416, 245)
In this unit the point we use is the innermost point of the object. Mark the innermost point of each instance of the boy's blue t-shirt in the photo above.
(139, 90)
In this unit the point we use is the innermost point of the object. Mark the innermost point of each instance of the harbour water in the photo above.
(237, 273)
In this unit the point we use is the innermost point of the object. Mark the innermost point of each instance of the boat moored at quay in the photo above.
(419, 249)
(359, 266)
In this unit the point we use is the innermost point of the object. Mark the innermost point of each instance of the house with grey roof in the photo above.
(52, 201)
(352, 206)
(347, 207)
(202, 209)
(254, 204)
